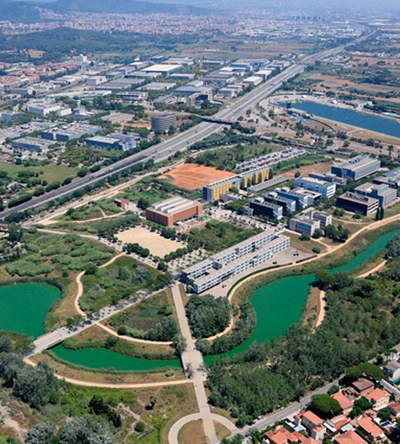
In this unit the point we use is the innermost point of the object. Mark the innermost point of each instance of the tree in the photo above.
(140, 426)
(41, 433)
(384, 414)
(86, 430)
(325, 406)
(5, 344)
(15, 233)
(36, 385)
(99, 407)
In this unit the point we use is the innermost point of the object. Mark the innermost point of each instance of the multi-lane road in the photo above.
(182, 141)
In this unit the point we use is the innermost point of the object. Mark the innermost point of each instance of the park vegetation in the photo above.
(208, 315)
(363, 318)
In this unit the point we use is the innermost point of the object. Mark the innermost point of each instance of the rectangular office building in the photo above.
(235, 260)
(357, 203)
(383, 192)
(356, 168)
(170, 211)
(325, 188)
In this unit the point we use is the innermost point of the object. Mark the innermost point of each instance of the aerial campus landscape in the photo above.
(199, 222)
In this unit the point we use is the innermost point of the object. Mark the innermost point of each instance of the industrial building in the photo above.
(113, 141)
(357, 203)
(310, 221)
(244, 256)
(356, 168)
(70, 132)
(383, 192)
(31, 144)
(329, 177)
(215, 190)
(163, 122)
(170, 211)
(162, 68)
(326, 189)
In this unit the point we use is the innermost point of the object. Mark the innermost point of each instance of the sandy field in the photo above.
(158, 245)
(192, 177)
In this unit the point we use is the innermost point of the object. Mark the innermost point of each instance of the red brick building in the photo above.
(170, 211)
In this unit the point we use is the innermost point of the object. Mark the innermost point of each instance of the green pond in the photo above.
(278, 305)
(23, 307)
(106, 359)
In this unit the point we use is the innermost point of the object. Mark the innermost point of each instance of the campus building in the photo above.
(170, 211)
(215, 190)
(244, 256)
(392, 178)
(267, 209)
(383, 192)
(357, 203)
(326, 189)
(356, 168)
(310, 221)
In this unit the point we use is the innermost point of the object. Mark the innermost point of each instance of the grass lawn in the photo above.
(51, 173)
(123, 278)
(192, 433)
(216, 236)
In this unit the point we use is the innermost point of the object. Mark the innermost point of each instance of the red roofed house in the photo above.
(394, 409)
(374, 432)
(349, 437)
(282, 436)
(122, 203)
(379, 398)
(279, 436)
(335, 424)
(313, 423)
(345, 403)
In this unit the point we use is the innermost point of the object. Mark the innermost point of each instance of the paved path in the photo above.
(194, 367)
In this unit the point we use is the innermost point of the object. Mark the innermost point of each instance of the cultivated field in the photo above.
(158, 245)
(193, 177)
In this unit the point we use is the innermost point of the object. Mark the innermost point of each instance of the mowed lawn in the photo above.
(51, 172)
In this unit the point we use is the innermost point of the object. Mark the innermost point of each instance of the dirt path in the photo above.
(322, 294)
(79, 293)
(377, 268)
(332, 249)
(11, 423)
(322, 308)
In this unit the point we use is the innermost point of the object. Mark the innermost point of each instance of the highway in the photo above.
(182, 141)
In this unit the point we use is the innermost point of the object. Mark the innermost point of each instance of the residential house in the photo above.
(349, 437)
(394, 409)
(379, 398)
(392, 369)
(363, 386)
(371, 429)
(346, 404)
(313, 423)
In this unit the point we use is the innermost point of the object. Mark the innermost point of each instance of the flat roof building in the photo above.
(326, 189)
(235, 260)
(310, 221)
(113, 141)
(383, 192)
(357, 203)
(356, 168)
(170, 211)
(31, 144)
(265, 208)
(69, 132)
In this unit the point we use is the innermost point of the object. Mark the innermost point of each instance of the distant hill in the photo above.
(122, 7)
(18, 11)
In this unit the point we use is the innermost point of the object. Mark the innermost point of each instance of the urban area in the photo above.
(199, 222)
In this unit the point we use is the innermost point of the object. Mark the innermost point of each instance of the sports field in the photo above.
(192, 177)
(158, 245)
